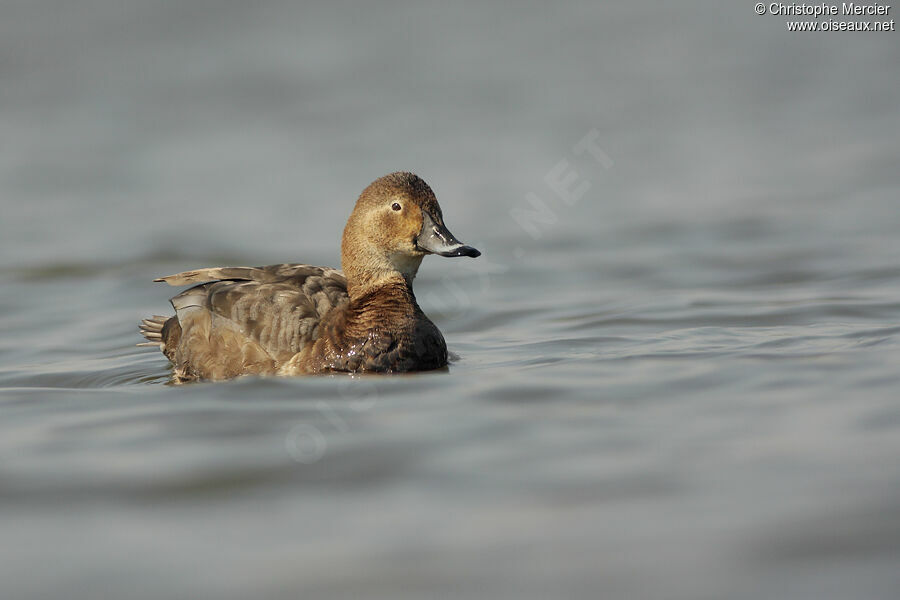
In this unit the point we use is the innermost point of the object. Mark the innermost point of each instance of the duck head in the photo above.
(395, 223)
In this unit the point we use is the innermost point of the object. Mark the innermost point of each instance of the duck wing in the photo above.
(242, 320)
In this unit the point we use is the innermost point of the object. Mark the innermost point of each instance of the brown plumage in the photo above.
(292, 319)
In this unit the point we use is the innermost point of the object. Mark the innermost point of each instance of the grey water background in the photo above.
(683, 385)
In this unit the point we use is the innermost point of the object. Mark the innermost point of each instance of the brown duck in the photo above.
(292, 319)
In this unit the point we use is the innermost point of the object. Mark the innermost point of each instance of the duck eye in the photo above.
(395, 206)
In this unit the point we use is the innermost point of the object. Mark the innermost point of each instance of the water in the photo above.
(682, 385)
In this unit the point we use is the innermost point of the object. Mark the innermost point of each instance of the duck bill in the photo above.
(435, 238)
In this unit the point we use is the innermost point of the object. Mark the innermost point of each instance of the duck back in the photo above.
(246, 320)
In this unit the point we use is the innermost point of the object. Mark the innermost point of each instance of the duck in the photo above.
(298, 319)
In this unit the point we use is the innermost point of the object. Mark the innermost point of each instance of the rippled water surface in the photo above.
(682, 383)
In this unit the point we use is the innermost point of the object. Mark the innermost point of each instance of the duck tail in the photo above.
(163, 333)
(152, 329)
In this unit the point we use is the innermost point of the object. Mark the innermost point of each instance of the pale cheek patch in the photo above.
(405, 263)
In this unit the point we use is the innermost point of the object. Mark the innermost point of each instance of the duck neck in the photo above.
(368, 271)
(389, 300)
